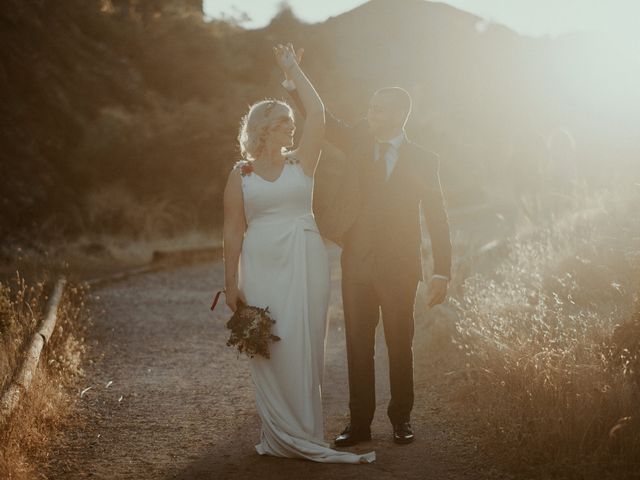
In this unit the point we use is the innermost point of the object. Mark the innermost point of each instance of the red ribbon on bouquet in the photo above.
(215, 300)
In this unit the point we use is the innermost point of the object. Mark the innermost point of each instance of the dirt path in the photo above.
(181, 404)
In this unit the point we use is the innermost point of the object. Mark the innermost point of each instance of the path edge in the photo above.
(20, 386)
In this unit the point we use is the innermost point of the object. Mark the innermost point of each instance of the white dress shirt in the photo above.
(391, 157)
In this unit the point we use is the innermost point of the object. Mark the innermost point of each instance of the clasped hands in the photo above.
(287, 57)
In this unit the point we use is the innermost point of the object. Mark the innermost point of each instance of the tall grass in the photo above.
(20, 311)
(25, 436)
(121, 229)
(551, 342)
(118, 230)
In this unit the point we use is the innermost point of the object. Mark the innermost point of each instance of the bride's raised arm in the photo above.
(308, 149)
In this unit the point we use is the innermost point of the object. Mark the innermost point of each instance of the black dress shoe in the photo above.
(402, 433)
(352, 436)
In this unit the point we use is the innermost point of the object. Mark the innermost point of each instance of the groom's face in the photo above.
(382, 115)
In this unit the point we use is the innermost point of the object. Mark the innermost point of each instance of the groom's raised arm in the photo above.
(337, 132)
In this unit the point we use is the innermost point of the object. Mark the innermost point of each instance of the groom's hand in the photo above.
(437, 291)
(298, 53)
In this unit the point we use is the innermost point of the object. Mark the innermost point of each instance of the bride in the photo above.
(275, 257)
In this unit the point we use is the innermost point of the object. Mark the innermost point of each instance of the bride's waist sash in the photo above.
(306, 221)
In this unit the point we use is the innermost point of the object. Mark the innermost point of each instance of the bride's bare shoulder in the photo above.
(292, 156)
(242, 168)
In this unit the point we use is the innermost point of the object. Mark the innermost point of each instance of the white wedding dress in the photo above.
(284, 266)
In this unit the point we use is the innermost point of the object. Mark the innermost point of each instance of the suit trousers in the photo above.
(363, 300)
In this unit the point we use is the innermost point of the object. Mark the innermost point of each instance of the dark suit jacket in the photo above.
(396, 241)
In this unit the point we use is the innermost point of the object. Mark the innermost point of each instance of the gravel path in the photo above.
(181, 403)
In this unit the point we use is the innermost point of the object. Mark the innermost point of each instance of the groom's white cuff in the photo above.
(288, 84)
(444, 277)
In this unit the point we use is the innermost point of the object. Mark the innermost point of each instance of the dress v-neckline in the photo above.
(275, 180)
(287, 160)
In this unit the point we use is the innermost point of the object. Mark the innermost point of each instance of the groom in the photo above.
(385, 179)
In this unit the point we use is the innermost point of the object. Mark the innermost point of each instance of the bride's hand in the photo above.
(232, 295)
(286, 57)
(437, 291)
(298, 54)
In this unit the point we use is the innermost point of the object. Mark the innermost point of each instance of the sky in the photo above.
(529, 17)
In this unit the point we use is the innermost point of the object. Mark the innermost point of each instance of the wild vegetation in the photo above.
(121, 116)
(549, 338)
(120, 120)
(25, 436)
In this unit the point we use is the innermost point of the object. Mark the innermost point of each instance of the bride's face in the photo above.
(282, 132)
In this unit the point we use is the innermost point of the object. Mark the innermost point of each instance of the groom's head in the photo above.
(389, 109)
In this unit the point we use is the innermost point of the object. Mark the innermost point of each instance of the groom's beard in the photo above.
(383, 127)
(384, 131)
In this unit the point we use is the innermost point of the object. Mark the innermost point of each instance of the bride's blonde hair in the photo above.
(258, 123)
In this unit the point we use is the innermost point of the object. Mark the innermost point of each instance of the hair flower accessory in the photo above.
(246, 169)
(245, 166)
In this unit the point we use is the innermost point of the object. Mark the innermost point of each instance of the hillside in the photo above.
(121, 119)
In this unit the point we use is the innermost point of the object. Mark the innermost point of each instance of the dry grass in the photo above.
(24, 439)
(114, 210)
(551, 345)
(21, 307)
(119, 232)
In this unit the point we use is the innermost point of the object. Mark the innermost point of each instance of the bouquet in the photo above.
(250, 329)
